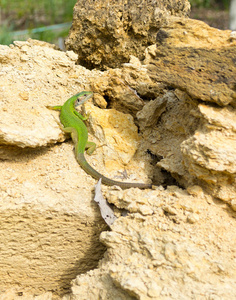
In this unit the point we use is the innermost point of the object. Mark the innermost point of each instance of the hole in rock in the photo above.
(160, 175)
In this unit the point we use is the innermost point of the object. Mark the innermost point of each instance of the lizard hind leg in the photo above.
(73, 133)
(90, 147)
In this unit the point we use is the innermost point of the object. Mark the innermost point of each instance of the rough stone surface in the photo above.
(174, 243)
(210, 62)
(13, 294)
(49, 224)
(106, 33)
(21, 67)
(49, 227)
(210, 154)
(178, 248)
(199, 72)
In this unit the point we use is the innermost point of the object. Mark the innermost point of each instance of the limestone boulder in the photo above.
(105, 33)
(170, 246)
(197, 59)
(167, 118)
(198, 63)
(44, 202)
(50, 225)
(210, 154)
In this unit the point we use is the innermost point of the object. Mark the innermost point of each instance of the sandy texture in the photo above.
(152, 123)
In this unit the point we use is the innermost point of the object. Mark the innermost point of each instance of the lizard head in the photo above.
(82, 97)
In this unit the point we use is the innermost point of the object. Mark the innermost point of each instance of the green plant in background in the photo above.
(200, 3)
(5, 36)
(48, 10)
(49, 7)
(29, 14)
(210, 3)
(224, 3)
(50, 36)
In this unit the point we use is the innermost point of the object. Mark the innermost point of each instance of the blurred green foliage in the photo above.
(217, 4)
(27, 14)
(30, 13)
(5, 37)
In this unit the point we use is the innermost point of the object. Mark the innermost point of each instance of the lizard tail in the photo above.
(105, 180)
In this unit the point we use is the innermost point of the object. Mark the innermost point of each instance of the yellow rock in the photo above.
(117, 132)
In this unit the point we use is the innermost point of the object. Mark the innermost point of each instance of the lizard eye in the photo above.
(79, 99)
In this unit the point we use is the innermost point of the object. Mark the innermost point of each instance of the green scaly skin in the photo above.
(73, 124)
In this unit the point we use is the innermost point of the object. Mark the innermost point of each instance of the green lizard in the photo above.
(73, 124)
